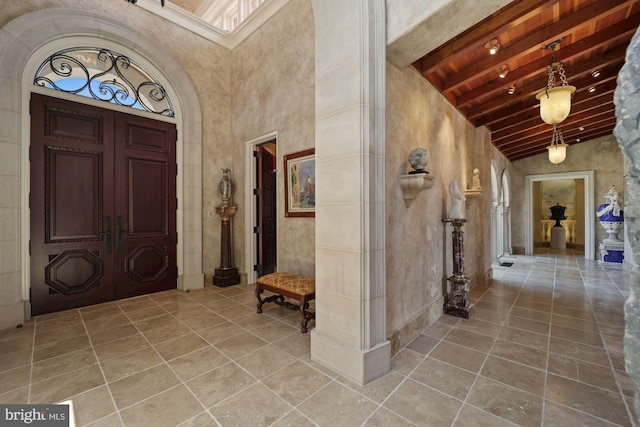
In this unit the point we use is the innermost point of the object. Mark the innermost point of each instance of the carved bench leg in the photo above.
(260, 302)
(306, 316)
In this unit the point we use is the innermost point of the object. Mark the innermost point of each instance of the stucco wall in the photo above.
(418, 249)
(273, 91)
(601, 155)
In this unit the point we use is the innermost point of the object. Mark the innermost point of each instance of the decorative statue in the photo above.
(476, 179)
(613, 203)
(457, 201)
(418, 159)
(225, 187)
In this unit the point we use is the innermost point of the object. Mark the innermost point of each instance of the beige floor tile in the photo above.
(59, 334)
(296, 382)
(44, 325)
(97, 325)
(384, 418)
(92, 405)
(594, 401)
(294, 419)
(480, 327)
(532, 305)
(518, 353)
(254, 321)
(202, 321)
(423, 344)
(527, 324)
(560, 415)
(15, 396)
(265, 408)
(59, 365)
(506, 402)
(437, 330)
(16, 344)
(459, 356)
(570, 322)
(405, 361)
(151, 323)
(112, 420)
(15, 378)
(120, 347)
(444, 377)
(145, 313)
(490, 316)
(337, 405)
(180, 346)
(15, 359)
(470, 339)
(514, 374)
(110, 311)
(64, 386)
(133, 304)
(297, 344)
(215, 386)
(221, 332)
(202, 420)
(540, 316)
(141, 385)
(240, 345)
(526, 338)
(112, 334)
(423, 405)
(185, 305)
(274, 331)
(585, 372)
(130, 363)
(235, 311)
(264, 361)
(161, 410)
(377, 390)
(579, 351)
(166, 332)
(26, 331)
(577, 335)
(470, 416)
(58, 348)
(199, 362)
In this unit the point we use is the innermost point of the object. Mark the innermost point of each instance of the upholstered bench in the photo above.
(300, 288)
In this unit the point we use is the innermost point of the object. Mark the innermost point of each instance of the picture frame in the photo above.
(300, 184)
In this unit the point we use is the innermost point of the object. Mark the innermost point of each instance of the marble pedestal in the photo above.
(611, 251)
(558, 238)
(457, 299)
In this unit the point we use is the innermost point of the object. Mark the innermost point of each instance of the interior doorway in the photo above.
(103, 205)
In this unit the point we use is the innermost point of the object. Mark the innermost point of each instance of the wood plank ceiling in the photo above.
(594, 36)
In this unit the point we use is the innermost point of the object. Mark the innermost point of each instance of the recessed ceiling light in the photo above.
(503, 71)
(512, 89)
(581, 128)
(578, 140)
(592, 89)
(595, 73)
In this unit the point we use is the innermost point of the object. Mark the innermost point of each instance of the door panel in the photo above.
(146, 228)
(267, 245)
(103, 206)
(71, 263)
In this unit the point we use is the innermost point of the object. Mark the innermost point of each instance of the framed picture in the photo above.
(300, 184)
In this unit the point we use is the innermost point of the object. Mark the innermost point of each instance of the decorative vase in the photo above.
(612, 224)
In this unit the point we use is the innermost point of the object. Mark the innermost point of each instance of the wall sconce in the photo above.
(555, 102)
(493, 46)
(557, 149)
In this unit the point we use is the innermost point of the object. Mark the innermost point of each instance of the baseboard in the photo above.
(400, 338)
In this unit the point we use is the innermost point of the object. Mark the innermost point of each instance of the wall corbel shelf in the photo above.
(414, 183)
(473, 193)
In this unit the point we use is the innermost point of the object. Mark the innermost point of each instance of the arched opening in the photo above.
(35, 30)
(495, 208)
(506, 213)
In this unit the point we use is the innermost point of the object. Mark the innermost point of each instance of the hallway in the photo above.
(545, 347)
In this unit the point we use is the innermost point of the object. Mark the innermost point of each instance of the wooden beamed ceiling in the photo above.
(594, 37)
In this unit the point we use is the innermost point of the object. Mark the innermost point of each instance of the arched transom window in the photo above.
(104, 75)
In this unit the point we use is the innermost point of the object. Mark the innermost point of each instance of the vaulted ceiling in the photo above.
(594, 36)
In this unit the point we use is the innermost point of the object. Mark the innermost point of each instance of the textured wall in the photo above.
(418, 242)
(601, 155)
(273, 90)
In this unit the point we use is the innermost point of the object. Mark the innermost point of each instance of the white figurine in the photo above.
(457, 201)
(476, 179)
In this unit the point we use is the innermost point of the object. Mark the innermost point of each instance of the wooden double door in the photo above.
(103, 205)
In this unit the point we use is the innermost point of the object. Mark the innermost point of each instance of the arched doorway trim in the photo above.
(27, 40)
(589, 208)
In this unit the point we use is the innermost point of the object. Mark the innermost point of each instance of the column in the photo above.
(350, 332)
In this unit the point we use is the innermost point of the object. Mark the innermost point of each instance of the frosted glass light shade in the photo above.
(557, 153)
(555, 107)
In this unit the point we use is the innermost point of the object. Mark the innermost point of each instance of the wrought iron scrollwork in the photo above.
(104, 75)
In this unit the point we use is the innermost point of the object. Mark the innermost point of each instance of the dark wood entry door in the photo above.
(267, 244)
(103, 205)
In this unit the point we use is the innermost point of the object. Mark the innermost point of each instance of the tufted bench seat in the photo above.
(300, 288)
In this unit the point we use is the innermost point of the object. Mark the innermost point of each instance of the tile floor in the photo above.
(544, 348)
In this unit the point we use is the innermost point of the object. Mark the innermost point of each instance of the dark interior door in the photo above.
(96, 175)
(267, 245)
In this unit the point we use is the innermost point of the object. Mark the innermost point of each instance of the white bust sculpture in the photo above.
(418, 159)
(456, 210)
(476, 180)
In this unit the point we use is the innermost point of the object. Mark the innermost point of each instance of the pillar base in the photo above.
(226, 277)
(464, 312)
(360, 366)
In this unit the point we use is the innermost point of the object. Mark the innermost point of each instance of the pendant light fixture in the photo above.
(557, 149)
(555, 102)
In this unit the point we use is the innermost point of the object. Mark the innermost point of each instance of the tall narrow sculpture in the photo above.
(457, 300)
(226, 274)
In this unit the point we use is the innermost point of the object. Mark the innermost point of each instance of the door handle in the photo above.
(107, 234)
(120, 230)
